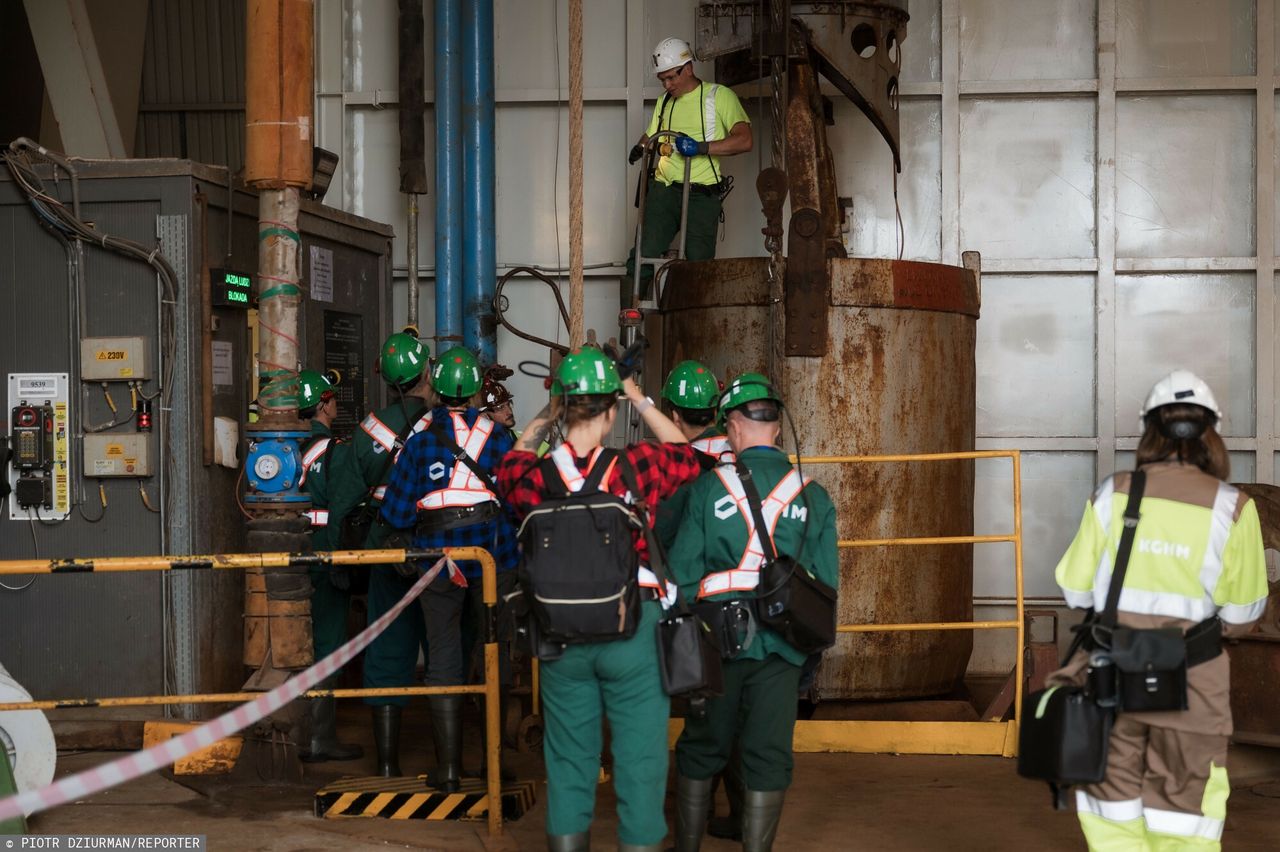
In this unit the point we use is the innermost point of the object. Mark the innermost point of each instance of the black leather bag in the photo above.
(1065, 732)
(789, 599)
(689, 660)
(1064, 736)
(1151, 669)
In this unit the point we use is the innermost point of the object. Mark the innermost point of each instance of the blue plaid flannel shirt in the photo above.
(411, 480)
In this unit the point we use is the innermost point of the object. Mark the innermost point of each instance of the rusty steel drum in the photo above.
(898, 377)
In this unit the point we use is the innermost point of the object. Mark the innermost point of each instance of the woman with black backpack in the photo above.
(591, 674)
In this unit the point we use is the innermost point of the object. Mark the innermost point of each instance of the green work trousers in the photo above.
(391, 658)
(620, 680)
(758, 709)
(662, 223)
(329, 606)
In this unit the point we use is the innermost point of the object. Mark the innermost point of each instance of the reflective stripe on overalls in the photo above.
(746, 575)
(717, 446)
(464, 488)
(311, 456)
(318, 517)
(573, 480)
(384, 440)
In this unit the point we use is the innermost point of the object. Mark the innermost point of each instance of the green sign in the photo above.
(231, 289)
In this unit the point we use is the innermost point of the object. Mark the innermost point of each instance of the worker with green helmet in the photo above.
(717, 561)
(442, 490)
(691, 396)
(333, 483)
(403, 364)
(618, 679)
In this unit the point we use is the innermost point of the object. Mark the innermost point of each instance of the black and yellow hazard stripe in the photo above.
(411, 798)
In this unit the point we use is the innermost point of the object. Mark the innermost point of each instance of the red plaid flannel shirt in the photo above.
(660, 470)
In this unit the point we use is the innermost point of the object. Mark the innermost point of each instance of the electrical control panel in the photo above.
(39, 471)
(114, 359)
(117, 454)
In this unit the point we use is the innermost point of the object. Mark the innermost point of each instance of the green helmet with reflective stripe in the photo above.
(586, 371)
(403, 359)
(456, 374)
(691, 385)
(312, 387)
(748, 387)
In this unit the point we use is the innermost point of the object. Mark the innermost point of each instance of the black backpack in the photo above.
(578, 563)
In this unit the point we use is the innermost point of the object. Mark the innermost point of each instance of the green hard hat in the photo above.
(586, 371)
(312, 386)
(403, 359)
(746, 388)
(456, 374)
(691, 385)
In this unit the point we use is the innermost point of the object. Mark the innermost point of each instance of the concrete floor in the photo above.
(864, 802)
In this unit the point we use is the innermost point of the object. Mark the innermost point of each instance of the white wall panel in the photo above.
(1027, 180)
(529, 149)
(864, 172)
(922, 49)
(1055, 487)
(1201, 322)
(1176, 38)
(373, 45)
(1185, 176)
(1010, 41)
(1035, 356)
(526, 45)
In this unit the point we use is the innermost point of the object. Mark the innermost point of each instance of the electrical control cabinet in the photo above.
(39, 424)
(114, 359)
(117, 454)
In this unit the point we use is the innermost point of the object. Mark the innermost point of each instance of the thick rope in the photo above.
(576, 333)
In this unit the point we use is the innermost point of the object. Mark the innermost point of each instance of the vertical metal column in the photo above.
(478, 181)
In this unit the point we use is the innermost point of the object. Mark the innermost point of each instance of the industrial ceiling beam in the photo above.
(74, 78)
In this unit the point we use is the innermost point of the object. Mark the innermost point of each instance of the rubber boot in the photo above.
(632, 847)
(693, 802)
(761, 810)
(324, 735)
(580, 842)
(729, 827)
(446, 730)
(386, 736)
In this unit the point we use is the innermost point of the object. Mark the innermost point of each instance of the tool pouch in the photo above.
(1151, 669)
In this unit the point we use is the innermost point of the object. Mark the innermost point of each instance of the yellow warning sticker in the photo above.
(113, 355)
(115, 449)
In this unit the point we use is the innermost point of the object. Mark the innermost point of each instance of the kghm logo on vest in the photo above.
(1156, 547)
(725, 507)
(436, 471)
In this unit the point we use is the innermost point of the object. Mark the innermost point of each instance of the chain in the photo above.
(780, 19)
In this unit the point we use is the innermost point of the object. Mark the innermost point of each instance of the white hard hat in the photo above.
(1180, 386)
(671, 53)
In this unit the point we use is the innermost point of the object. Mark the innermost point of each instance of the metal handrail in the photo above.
(1015, 538)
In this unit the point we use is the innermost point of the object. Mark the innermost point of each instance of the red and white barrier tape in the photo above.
(132, 766)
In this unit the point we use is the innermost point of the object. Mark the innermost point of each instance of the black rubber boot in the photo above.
(632, 847)
(730, 827)
(761, 811)
(324, 735)
(580, 842)
(693, 802)
(386, 736)
(446, 730)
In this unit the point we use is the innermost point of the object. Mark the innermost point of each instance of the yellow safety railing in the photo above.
(983, 737)
(489, 689)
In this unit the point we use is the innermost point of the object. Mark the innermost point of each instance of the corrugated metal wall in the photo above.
(192, 103)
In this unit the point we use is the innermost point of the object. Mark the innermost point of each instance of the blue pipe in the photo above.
(448, 112)
(479, 241)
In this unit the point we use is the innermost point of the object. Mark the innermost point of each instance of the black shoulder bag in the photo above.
(689, 661)
(358, 523)
(1066, 730)
(789, 599)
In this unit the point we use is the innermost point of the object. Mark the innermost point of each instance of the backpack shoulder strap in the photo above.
(599, 469)
(1137, 485)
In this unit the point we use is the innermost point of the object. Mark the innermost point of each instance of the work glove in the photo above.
(630, 362)
(690, 147)
(637, 151)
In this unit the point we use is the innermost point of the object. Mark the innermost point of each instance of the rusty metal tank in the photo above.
(898, 377)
